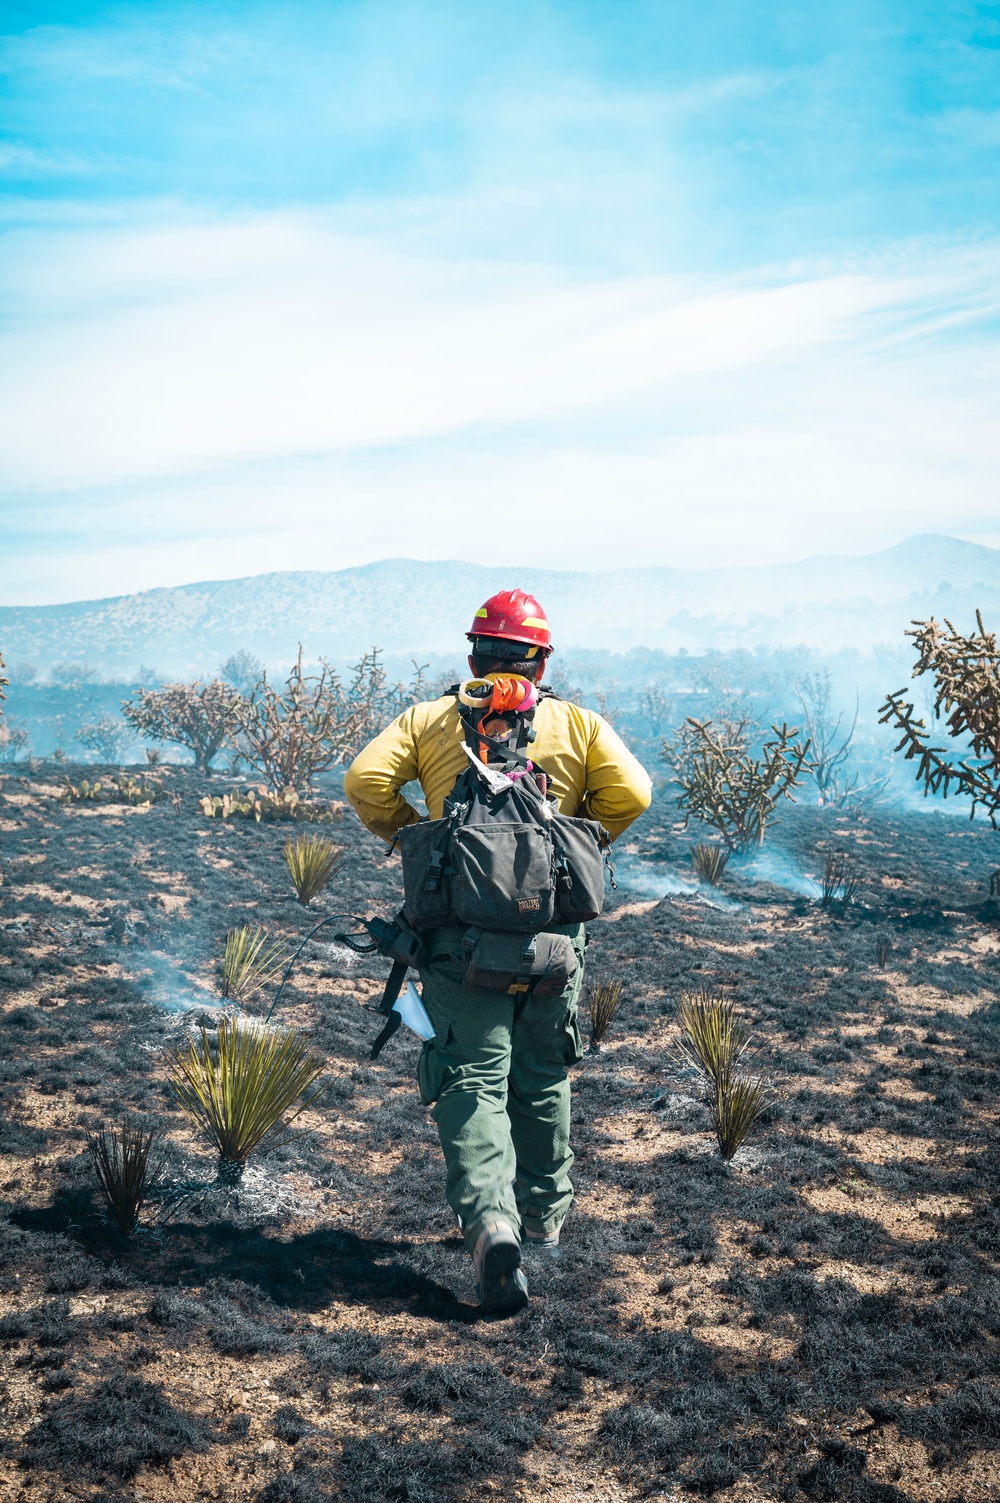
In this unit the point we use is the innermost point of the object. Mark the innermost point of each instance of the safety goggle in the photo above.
(502, 650)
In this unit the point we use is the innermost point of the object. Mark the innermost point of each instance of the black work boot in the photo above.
(546, 1243)
(500, 1284)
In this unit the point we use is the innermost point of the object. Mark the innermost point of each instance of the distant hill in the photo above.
(406, 606)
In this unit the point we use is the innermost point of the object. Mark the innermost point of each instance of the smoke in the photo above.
(169, 988)
(651, 879)
(776, 866)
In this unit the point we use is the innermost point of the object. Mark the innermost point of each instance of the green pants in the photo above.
(496, 1074)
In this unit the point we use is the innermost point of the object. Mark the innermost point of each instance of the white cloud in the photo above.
(284, 392)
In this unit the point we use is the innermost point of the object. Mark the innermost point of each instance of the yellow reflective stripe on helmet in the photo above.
(482, 611)
(535, 621)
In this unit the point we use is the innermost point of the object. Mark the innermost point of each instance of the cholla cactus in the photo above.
(202, 717)
(966, 672)
(724, 785)
(317, 721)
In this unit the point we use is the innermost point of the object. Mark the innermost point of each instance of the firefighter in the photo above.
(495, 1073)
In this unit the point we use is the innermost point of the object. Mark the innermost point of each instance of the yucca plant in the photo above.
(710, 862)
(238, 1089)
(738, 1109)
(312, 861)
(121, 1162)
(605, 1003)
(714, 1037)
(714, 1042)
(251, 960)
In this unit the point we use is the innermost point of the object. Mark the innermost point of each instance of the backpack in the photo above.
(502, 859)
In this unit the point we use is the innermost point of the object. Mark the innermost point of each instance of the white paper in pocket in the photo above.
(413, 1012)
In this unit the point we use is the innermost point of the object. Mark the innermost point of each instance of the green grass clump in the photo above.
(251, 960)
(714, 1042)
(312, 861)
(239, 1089)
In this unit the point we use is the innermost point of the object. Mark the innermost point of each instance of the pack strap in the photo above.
(506, 751)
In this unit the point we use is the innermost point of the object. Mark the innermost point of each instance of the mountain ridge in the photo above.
(827, 601)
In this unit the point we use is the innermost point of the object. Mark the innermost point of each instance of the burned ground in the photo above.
(818, 1320)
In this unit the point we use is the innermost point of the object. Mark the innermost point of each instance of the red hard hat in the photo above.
(514, 615)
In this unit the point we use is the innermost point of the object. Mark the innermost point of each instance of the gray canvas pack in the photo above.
(526, 869)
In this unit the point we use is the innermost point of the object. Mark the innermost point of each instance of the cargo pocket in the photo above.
(573, 1051)
(430, 1073)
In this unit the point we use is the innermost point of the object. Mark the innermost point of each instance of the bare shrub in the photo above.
(243, 671)
(72, 675)
(108, 737)
(723, 784)
(312, 861)
(246, 1089)
(710, 862)
(657, 708)
(605, 1003)
(317, 721)
(13, 741)
(4, 680)
(714, 1043)
(201, 717)
(121, 1162)
(966, 693)
(832, 749)
(21, 673)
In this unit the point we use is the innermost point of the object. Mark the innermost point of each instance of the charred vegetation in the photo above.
(814, 1318)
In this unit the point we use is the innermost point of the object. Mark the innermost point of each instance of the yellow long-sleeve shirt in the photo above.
(591, 770)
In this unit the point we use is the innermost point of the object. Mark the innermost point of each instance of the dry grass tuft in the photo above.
(840, 883)
(605, 1003)
(884, 946)
(710, 862)
(312, 861)
(237, 1092)
(121, 1163)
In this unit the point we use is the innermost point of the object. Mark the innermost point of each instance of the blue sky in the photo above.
(303, 285)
